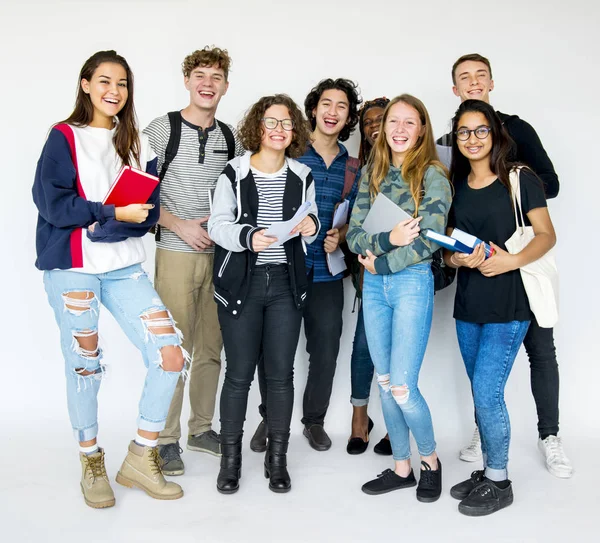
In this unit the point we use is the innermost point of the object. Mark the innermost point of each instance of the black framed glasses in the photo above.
(271, 123)
(481, 132)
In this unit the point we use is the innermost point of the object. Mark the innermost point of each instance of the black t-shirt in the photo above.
(488, 214)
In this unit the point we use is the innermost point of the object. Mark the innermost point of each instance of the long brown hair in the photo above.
(126, 138)
(418, 159)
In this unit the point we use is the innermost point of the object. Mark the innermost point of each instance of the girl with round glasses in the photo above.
(491, 308)
(260, 284)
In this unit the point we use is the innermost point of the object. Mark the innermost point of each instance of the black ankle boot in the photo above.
(276, 464)
(231, 468)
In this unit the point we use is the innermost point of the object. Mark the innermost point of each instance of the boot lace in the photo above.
(155, 461)
(95, 467)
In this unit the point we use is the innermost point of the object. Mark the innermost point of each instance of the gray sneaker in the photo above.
(208, 442)
(170, 454)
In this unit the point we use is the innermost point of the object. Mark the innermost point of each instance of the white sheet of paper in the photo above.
(340, 217)
(281, 230)
(336, 262)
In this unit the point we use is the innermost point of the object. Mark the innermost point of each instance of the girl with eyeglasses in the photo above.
(260, 285)
(398, 285)
(491, 308)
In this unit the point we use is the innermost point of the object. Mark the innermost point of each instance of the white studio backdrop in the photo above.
(543, 54)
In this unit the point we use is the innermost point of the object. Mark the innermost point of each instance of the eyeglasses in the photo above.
(481, 132)
(271, 123)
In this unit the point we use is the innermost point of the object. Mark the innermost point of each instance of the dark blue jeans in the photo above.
(489, 351)
(361, 365)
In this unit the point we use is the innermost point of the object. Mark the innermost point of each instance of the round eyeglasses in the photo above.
(481, 132)
(271, 123)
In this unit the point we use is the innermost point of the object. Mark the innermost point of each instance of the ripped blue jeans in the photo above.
(397, 310)
(129, 295)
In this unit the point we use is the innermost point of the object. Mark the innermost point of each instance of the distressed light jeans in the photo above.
(397, 313)
(489, 351)
(129, 295)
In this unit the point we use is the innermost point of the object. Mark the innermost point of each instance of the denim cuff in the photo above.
(86, 434)
(496, 474)
(359, 402)
(151, 426)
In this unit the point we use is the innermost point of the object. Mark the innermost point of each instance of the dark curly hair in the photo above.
(344, 85)
(365, 148)
(251, 127)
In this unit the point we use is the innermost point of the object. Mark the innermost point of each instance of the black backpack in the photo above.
(175, 121)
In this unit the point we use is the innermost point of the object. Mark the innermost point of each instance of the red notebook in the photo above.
(132, 186)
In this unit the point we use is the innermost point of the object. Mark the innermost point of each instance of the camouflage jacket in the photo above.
(434, 208)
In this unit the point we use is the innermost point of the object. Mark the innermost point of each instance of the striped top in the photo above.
(270, 188)
(184, 192)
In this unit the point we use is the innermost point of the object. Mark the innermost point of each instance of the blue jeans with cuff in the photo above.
(397, 310)
(129, 295)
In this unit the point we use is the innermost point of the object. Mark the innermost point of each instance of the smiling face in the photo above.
(474, 149)
(473, 81)
(108, 92)
(207, 85)
(332, 111)
(372, 123)
(402, 128)
(276, 139)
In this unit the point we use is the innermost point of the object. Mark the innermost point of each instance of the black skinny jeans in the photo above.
(323, 329)
(269, 323)
(539, 344)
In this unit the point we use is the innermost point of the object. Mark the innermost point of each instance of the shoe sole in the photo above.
(482, 513)
(173, 472)
(466, 458)
(199, 449)
(559, 474)
(97, 505)
(260, 449)
(372, 493)
(320, 448)
(228, 491)
(382, 453)
(124, 481)
(428, 500)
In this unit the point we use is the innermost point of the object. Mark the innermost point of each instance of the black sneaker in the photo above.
(486, 498)
(462, 490)
(388, 481)
(430, 483)
(384, 447)
(170, 455)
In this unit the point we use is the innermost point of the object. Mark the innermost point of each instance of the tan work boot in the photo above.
(94, 481)
(142, 468)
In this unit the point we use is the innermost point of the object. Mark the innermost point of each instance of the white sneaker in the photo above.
(472, 452)
(556, 460)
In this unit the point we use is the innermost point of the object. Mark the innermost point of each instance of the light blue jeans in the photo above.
(489, 351)
(397, 312)
(129, 295)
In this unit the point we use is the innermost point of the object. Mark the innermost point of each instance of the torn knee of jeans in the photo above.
(85, 344)
(78, 302)
(173, 359)
(384, 382)
(400, 393)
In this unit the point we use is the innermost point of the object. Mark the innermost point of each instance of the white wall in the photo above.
(544, 57)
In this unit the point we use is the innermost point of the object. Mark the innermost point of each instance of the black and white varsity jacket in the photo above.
(233, 222)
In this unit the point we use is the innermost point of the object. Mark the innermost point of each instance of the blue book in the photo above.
(460, 242)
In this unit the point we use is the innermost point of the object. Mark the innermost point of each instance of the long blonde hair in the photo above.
(417, 160)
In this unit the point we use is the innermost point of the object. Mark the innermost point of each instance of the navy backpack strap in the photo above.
(229, 139)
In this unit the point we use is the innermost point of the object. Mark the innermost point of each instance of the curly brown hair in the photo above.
(251, 127)
(208, 56)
